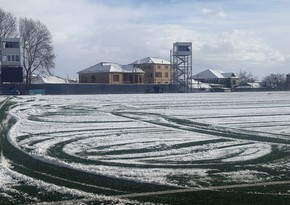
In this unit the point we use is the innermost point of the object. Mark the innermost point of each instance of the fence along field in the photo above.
(155, 148)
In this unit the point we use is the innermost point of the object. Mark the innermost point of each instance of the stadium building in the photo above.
(11, 71)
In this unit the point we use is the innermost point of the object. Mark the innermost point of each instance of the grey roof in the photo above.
(151, 60)
(210, 74)
(229, 75)
(131, 69)
(107, 67)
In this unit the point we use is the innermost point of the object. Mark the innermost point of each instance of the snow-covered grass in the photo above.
(179, 140)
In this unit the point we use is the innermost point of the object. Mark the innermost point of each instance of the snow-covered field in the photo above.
(164, 140)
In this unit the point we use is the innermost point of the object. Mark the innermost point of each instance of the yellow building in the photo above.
(157, 71)
(111, 73)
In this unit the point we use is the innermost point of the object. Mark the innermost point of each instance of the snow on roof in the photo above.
(131, 69)
(106, 67)
(229, 75)
(151, 60)
(197, 84)
(103, 67)
(210, 73)
(255, 85)
(250, 85)
(49, 79)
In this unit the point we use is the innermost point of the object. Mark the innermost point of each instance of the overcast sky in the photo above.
(229, 35)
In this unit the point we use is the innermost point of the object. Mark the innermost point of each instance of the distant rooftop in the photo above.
(151, 60)
(107, 67)
(47, 79)
(210, 73)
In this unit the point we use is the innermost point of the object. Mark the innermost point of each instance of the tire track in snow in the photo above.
(203, 128)
(175, 191)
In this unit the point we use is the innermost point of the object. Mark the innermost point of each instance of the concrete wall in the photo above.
(84, 89)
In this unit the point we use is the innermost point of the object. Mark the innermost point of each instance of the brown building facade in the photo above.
(111, 73)
(157, 71)
(148, 70)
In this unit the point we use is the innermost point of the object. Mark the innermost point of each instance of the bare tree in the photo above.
(8, 26)
(275, 81)
(246, 77)
(37, 49)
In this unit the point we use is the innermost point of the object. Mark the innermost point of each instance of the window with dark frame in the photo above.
(116, 78)
(158, 74)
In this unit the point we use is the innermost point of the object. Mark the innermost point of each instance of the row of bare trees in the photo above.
(272, 81)
(275, 81)
(35, 42)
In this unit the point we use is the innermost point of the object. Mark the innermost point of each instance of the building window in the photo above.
(158, 74)
(93, 78)
(234, 82)
(166, 74)
(159, 66)
(116, 78)
(10, 44)
(11, 58)
(166, 67)
(183, 48)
